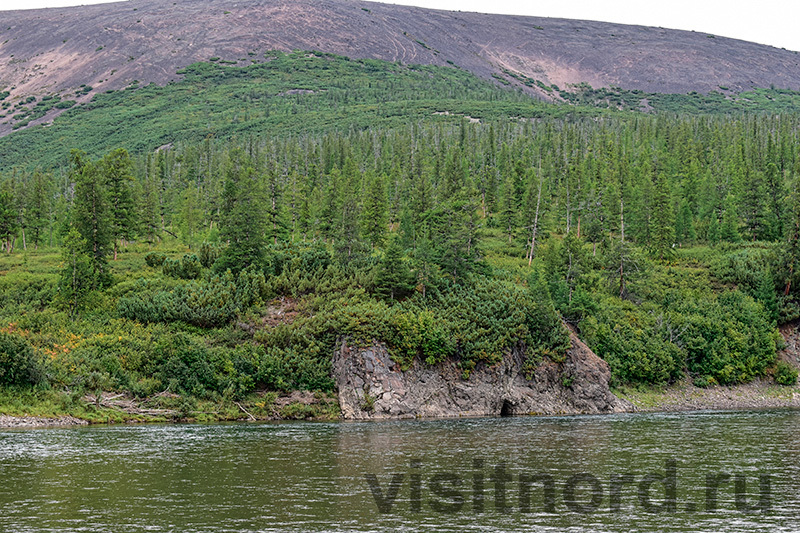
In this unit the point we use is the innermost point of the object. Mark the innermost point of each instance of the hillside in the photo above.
(304, 93)
(81, 51)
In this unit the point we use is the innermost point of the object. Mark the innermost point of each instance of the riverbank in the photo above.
(684, 396)
(29, 409)
(304, 405)
(11, 422)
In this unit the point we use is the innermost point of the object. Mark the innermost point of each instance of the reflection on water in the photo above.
(603, 473)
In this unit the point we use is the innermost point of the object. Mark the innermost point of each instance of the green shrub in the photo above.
(289, 369)
(207, 254)
(155, 259)
(419, 334)
(785, 374)
(187, 267)
(210, 303)
(181, 364)
(18, 365)
(26, 291)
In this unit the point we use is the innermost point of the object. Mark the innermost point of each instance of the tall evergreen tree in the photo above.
(90, 214)
(374, 213)
(277, 224)
(8, 217)
(508, 210)
(243, 221)
(662, 220)
(77, 275)
(39, 207)
(684, 225)
(117, 169)
(394, 280)
(729, 228)
(790, 258)
(622, 266)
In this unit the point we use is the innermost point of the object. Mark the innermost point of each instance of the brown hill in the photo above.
(108, 46)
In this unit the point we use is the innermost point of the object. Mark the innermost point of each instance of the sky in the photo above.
(772, 22)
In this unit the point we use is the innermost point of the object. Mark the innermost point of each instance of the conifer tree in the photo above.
(39, 207)
(425, 263)
(622, 266)
(77, 275)
(374, 214)
(190, 214)
(713, 230)
(90, 214)
(774, 185)
(791, 249)
(19, 194)
(277, 226)
(243, 220)
(349, 244)
(508, 210)
(117, 169)
(662, 221)
(684, 225)
(394, 280)
(8, 217)
(765, 293)
(729, 230)
(752, 204)
(148, 214)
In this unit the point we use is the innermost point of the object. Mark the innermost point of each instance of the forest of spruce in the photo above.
(214, 272)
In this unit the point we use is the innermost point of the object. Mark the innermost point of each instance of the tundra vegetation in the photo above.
(214, 248)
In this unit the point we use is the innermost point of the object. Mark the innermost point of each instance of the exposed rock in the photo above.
(109, 46)
(791, 339)
(372, 386)
(38, 421)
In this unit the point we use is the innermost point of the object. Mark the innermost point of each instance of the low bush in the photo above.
(785, 374)
(18, 364)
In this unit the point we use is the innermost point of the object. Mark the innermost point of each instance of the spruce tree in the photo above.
(394, 280)
(622, 266)
(8, 217)
(713, 230)
(39, 207)
(190, 214)
(91, 216)
(277, 225)
(424, 261)
(662, 220)
(729, 229)
(790, 256)
(374, 212)
(117, 169)
(243, 220)
(77, 275)
(508, 210)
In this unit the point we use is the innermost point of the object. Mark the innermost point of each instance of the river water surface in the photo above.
(634, 472)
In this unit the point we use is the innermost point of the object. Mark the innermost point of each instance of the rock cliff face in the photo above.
(372, 386)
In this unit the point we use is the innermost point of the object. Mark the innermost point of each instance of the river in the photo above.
(631, 472)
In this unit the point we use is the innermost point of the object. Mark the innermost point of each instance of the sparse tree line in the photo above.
(597, 208)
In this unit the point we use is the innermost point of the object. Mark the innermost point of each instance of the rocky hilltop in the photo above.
(101, 47)
(372, 386)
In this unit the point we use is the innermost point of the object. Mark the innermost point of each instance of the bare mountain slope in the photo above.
(108, 46)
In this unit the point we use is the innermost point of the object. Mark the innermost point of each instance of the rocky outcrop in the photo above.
(372, 386)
